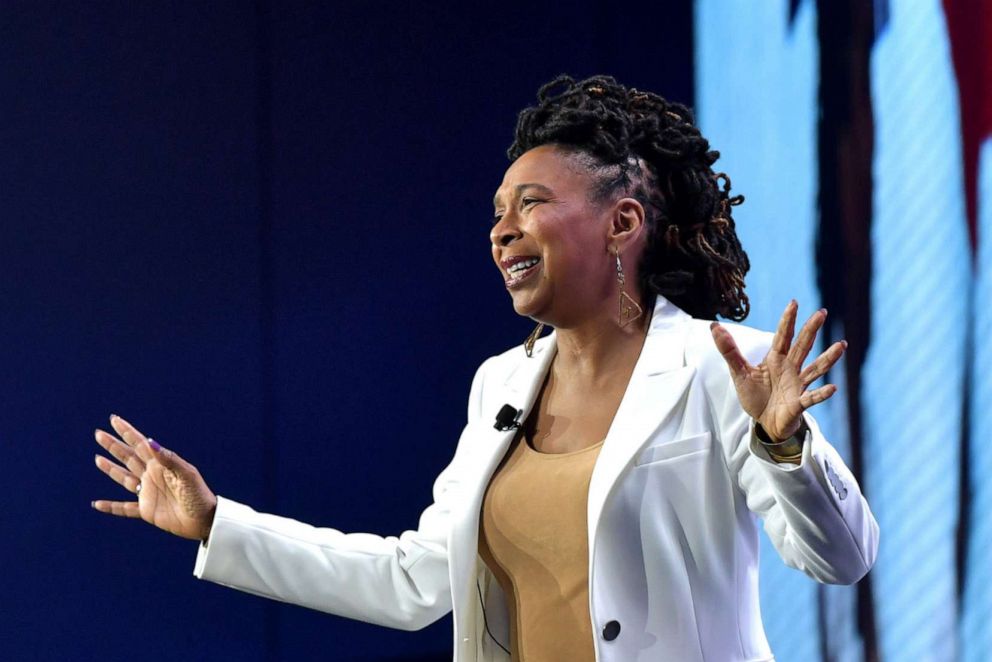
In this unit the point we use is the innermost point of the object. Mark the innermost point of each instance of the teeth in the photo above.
(524, 264)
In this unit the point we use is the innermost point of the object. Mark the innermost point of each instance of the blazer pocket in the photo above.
(673, 450)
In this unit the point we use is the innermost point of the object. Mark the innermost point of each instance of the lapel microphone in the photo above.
(507, 417)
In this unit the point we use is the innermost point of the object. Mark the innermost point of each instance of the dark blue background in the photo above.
(260, 232)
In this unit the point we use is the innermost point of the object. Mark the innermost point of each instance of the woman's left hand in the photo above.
(774, 392)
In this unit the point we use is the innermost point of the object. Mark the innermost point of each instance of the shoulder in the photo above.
(712, 373)
(504, 363)
(497, 369)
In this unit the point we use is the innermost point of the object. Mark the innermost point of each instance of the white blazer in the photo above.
(674, 500)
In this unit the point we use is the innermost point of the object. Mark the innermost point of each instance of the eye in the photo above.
(496, 218)
(529, 201)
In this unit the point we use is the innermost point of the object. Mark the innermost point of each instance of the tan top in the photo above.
(533, 536)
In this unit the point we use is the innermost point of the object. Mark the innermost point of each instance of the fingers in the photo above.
(728, 349)
(127, 431)
(118, 474)
(823, 363)
(132, 437)
(786, 328)
(169, 459)
(119, 508)
(807, 336)
(140, 450)
(124, 453)
(816, 396)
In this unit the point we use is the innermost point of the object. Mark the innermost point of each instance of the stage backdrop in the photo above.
(260, 232)
(861, 134)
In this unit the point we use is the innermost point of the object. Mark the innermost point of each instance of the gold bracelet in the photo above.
(785, 458)
(792, 447)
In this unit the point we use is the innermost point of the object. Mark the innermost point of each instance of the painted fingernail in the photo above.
(154, 444)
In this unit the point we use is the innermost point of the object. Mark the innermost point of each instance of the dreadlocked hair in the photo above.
(648, 148)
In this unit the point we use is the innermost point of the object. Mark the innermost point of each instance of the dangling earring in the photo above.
(532, 338)
(630, 310)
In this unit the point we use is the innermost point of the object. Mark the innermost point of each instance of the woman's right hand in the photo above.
(172, 496)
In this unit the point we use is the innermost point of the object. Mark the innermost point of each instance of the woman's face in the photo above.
(550, 241)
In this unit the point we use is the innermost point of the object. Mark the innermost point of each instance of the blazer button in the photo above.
(611, 631)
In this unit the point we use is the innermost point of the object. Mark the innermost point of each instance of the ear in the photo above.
(626, 223)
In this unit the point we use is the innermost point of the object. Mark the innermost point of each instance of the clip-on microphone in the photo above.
(508, 418)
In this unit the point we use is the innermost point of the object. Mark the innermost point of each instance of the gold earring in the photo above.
(629, 310)
(532, 338)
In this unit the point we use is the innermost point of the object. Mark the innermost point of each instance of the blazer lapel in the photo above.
(657, 385)
(519, 390)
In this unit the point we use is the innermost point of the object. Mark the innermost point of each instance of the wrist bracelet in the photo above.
(785, 458)
(785, 450)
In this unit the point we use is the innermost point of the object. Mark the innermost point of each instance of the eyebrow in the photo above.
(518, 189)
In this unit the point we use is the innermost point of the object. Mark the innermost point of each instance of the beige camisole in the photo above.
(533, 537)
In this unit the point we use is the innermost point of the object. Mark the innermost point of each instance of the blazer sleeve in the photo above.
(399, 582)
(814, 513)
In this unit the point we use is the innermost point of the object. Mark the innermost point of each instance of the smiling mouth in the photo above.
(521, 271)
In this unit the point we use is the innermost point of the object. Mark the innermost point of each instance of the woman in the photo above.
(602, 499)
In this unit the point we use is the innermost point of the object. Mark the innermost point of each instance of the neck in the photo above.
(596, 349)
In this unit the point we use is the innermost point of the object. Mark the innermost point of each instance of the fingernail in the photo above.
(823, 310)
(844, 343)
(713, 325)
(93, 505)
(113, 416)
(154, 445)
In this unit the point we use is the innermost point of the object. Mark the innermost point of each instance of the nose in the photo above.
(505, 232)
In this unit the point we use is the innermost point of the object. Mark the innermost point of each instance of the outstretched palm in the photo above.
(172, 496)
(774, 392)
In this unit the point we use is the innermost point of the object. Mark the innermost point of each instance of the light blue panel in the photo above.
(756, 82)
(914, 370)
(977, 611)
